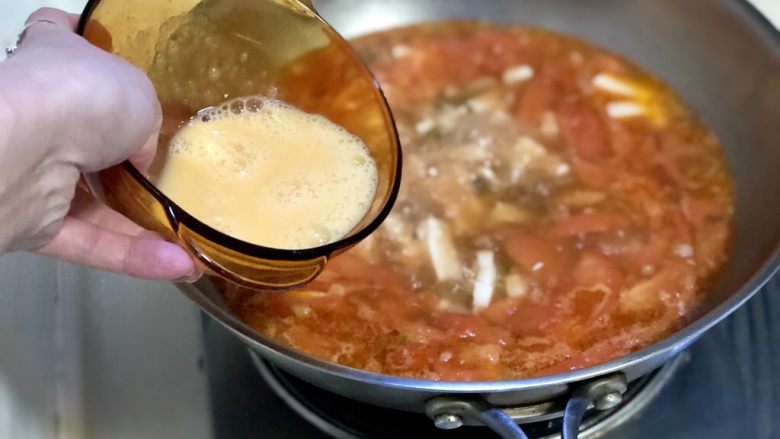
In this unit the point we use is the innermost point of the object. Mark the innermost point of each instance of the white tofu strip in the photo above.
(514, 75)
(508, 213)
(400, 51)
(485, 282)
(425, 126)
(624, 109)
(523, 155)
(684, 250)
(516, 285)
(611, 84)
(527, 154)
(441, 249)
(549, 126)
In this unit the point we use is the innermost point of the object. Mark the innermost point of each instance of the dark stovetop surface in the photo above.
(729, 387)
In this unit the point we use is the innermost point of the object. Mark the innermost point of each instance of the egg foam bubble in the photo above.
(265, 172)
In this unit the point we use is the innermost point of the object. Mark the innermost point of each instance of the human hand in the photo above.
(67, 107)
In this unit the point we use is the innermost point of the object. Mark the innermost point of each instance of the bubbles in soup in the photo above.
(558, 208)
(268, 173)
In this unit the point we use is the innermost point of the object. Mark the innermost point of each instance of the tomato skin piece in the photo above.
(521, 316)
(541, 94)
(410, 357)
(653, 253)
(595, 176)
(535, 255)
(309, 341)
(594, 268)
(352, 267)
(677, 279)
(590, 222)
(583, 128)
(699, 210)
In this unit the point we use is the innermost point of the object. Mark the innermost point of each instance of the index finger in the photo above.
(54, 16)
(146, 256)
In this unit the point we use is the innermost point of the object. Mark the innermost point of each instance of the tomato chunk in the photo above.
(592, 222)
(536, 255)
(593, 269)
(542, 94)
(583, 128)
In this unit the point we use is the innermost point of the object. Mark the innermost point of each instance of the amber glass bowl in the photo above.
(200, 53)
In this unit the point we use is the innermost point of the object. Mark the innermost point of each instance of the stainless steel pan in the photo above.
(721, 56)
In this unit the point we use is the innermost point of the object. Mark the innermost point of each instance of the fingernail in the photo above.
(178, 260)
(191, 278)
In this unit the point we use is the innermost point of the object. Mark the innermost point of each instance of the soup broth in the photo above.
(560, 207)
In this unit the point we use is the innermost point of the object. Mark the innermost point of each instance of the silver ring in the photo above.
(12, 48)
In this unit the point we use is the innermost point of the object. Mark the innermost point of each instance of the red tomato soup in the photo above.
(559, 208)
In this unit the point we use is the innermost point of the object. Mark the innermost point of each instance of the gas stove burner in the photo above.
(344, 418)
